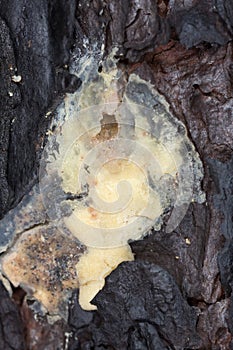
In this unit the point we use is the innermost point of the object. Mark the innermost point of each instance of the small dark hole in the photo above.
(123, 60)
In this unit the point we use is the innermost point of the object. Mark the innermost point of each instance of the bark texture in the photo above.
(178, 293)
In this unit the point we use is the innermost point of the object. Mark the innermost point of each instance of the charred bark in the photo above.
(185, 50)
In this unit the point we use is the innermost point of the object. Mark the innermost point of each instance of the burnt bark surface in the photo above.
(11, 327)
(178, 293)
(35, 42)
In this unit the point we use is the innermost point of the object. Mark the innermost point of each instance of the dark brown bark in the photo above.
(185, 50)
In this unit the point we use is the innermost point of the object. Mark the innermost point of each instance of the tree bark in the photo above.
(184, 48)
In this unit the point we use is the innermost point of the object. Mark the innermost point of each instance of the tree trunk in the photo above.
(184, 49)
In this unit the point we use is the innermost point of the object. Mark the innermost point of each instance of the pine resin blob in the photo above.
(116, 164)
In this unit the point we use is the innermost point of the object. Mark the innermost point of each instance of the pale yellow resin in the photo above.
(92, 269)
